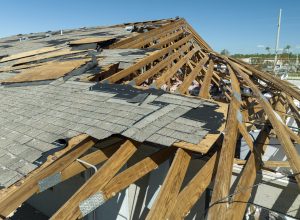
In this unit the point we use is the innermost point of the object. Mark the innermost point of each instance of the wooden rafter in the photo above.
(192, 76)
(243, 190)
(195, 188)
(135, 172)
(204, 90)
(166, 198)
(283, 136)
(70, 210)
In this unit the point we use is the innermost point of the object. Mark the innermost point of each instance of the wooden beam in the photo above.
(266, 164)
(282, 135)
(171, 72)
(166, 198)
(159, 66)
(294, 110)
(204, 90)
(193, 191)
(171, 38)
(273, 81)
(96, 157)
(243, 190)
(123, 73)
(192, 76)
(12, 200)
(70, 210)
(137, 171)
(144, 38)
(224, 171)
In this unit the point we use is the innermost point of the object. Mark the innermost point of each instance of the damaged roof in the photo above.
(154, 82)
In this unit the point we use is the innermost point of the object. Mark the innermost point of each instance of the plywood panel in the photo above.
(90, 40)
(48, 71)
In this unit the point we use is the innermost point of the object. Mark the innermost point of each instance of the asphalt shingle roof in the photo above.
(33, 117)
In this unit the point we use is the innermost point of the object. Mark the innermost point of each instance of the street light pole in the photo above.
(277, 39)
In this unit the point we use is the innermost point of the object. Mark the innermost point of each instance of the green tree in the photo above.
(225, 52)
(287, 49)
(268, 49)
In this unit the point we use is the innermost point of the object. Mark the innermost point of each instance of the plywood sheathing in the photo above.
(90, 40)
(48, 71)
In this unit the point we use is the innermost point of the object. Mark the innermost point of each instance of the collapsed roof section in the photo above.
(156, 57)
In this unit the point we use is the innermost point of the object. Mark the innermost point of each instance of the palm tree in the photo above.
(268, 49)
(287, 49)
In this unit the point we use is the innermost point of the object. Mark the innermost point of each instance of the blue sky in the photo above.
(237, 25)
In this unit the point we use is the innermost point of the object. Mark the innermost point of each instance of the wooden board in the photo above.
(28, 53)
(90, 40)
(168, 193)
(48, 71)
(53, 54)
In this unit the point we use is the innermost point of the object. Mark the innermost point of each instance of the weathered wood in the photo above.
(94, 158)
(295, 111)
(204, 90)
(224, 171)
(243, 190)
(266, 164)
(135, 172)
(123, 73)
(70, 210)
(166, 198)
(171, 72)
(282, 135)
(189, 79)
(193, 191)
(144, 38)
(29, 53)
(159, 66)
(12, 200)
(168, 40)
(272, 80)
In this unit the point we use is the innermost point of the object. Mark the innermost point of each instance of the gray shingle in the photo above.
(98, 133)
(160, 139)
(40, 145)
(145, 133)
(30, 154)
(190, 122)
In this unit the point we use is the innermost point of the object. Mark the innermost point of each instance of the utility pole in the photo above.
(277, 40)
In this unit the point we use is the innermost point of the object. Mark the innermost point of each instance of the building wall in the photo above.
(135, 202)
